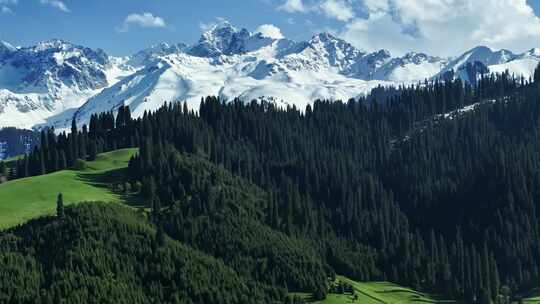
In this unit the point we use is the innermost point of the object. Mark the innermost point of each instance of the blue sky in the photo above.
(398, 25)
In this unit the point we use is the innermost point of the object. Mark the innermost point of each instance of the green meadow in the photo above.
(375, 293)
(27, 198)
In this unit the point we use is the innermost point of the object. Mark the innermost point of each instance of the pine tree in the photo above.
(60, 206)
(74, 143)
(92, 154)
(537, 75)
(3, 169)
(160, 236)
(63, 160)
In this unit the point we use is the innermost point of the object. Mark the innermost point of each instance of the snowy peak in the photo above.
(152, 54)
(55, 44)
(535, 52)
(335, 49)
(329, 40)
(221, 39)
(55, 81)
(6, 46)
(323, 51)
(50, 64)
(418, 58)
(44, 82)
(412, 67)
(482, 54)
(225, 39)
(378, 58)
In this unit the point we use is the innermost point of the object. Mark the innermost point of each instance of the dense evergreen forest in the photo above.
(415, 188)
(18, 141)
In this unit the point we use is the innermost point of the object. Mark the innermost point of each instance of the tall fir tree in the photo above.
(60, 212)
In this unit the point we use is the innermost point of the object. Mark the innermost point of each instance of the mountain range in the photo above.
(53, 82)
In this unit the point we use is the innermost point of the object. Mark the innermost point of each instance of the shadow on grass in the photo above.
(105, 179)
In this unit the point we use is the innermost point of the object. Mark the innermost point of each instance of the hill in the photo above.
(219, 218)
(109, 253)
(27, 198)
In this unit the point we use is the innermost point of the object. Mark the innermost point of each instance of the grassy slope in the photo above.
(533, 297)
(378, 293)
(23, 199)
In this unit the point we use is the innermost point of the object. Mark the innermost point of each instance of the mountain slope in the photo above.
(108, 253)
(53, 82)
(51, 78)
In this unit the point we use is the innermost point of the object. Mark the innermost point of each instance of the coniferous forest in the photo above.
(433, 186)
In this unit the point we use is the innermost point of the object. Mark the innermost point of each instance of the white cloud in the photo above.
(6, 10)
(376, 5)
(444, 27)
(143, 20)
(439, 27)
(337, 9)
(270, 31)
(56, 4)
(292, 6)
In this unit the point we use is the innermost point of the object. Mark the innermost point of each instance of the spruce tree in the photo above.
(92, 154)
(537, 75)
(3, 169)
(60, 213)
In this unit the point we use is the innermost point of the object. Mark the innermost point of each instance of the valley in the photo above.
(322, 152)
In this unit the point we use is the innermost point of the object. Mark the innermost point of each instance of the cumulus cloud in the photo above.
(6, 10)
(444, 27)
(337, 9)
(440, 27)
(292, 6)
(147, 20)
(270, 31)
(56, 4)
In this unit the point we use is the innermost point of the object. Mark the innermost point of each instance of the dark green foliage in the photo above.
(18, 139)
(224, 217)
(537, 75)
(4, 174)
(379, 188)
(386, 191)
(64, 151)
(104, 253)
(60, 213)
(79, 165)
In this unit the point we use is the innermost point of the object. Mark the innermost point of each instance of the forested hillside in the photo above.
(435, 187)
(107, 253)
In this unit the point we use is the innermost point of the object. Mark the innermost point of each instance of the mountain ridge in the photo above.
(55, 81)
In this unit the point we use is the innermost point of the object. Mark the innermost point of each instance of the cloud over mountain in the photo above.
(142, 20)
(443, 27)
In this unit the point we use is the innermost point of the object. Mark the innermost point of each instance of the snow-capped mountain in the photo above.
(153, 53)
(50, 78)
(522, 64)
(55, 81)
